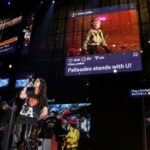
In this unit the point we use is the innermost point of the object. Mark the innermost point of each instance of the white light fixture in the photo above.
(115, 70)
(10, 66)
(9, 3)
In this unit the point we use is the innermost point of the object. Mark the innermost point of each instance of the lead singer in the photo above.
(34, 108)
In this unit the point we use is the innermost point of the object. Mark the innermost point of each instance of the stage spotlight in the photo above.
(10, 66)
(9, 3)
(87, 84)
(115, 70)
(53, 2)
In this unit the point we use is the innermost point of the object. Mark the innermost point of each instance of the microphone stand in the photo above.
(13, 100)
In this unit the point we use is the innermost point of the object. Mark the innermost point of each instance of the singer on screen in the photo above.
(95, 40)
(34, 108)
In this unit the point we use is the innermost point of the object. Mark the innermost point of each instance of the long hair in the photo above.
(42, 91)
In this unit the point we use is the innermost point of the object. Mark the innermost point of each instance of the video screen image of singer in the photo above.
(103, 40)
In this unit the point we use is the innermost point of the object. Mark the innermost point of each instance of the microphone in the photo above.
(24, 88)
(30, 78)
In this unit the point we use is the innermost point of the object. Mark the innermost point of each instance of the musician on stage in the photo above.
(34, 108)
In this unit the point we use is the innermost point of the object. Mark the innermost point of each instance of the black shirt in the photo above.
(31, 108)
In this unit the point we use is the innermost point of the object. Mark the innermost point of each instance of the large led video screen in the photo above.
(4, 81)
(9, 30)
(103, 40)
(58, 122)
